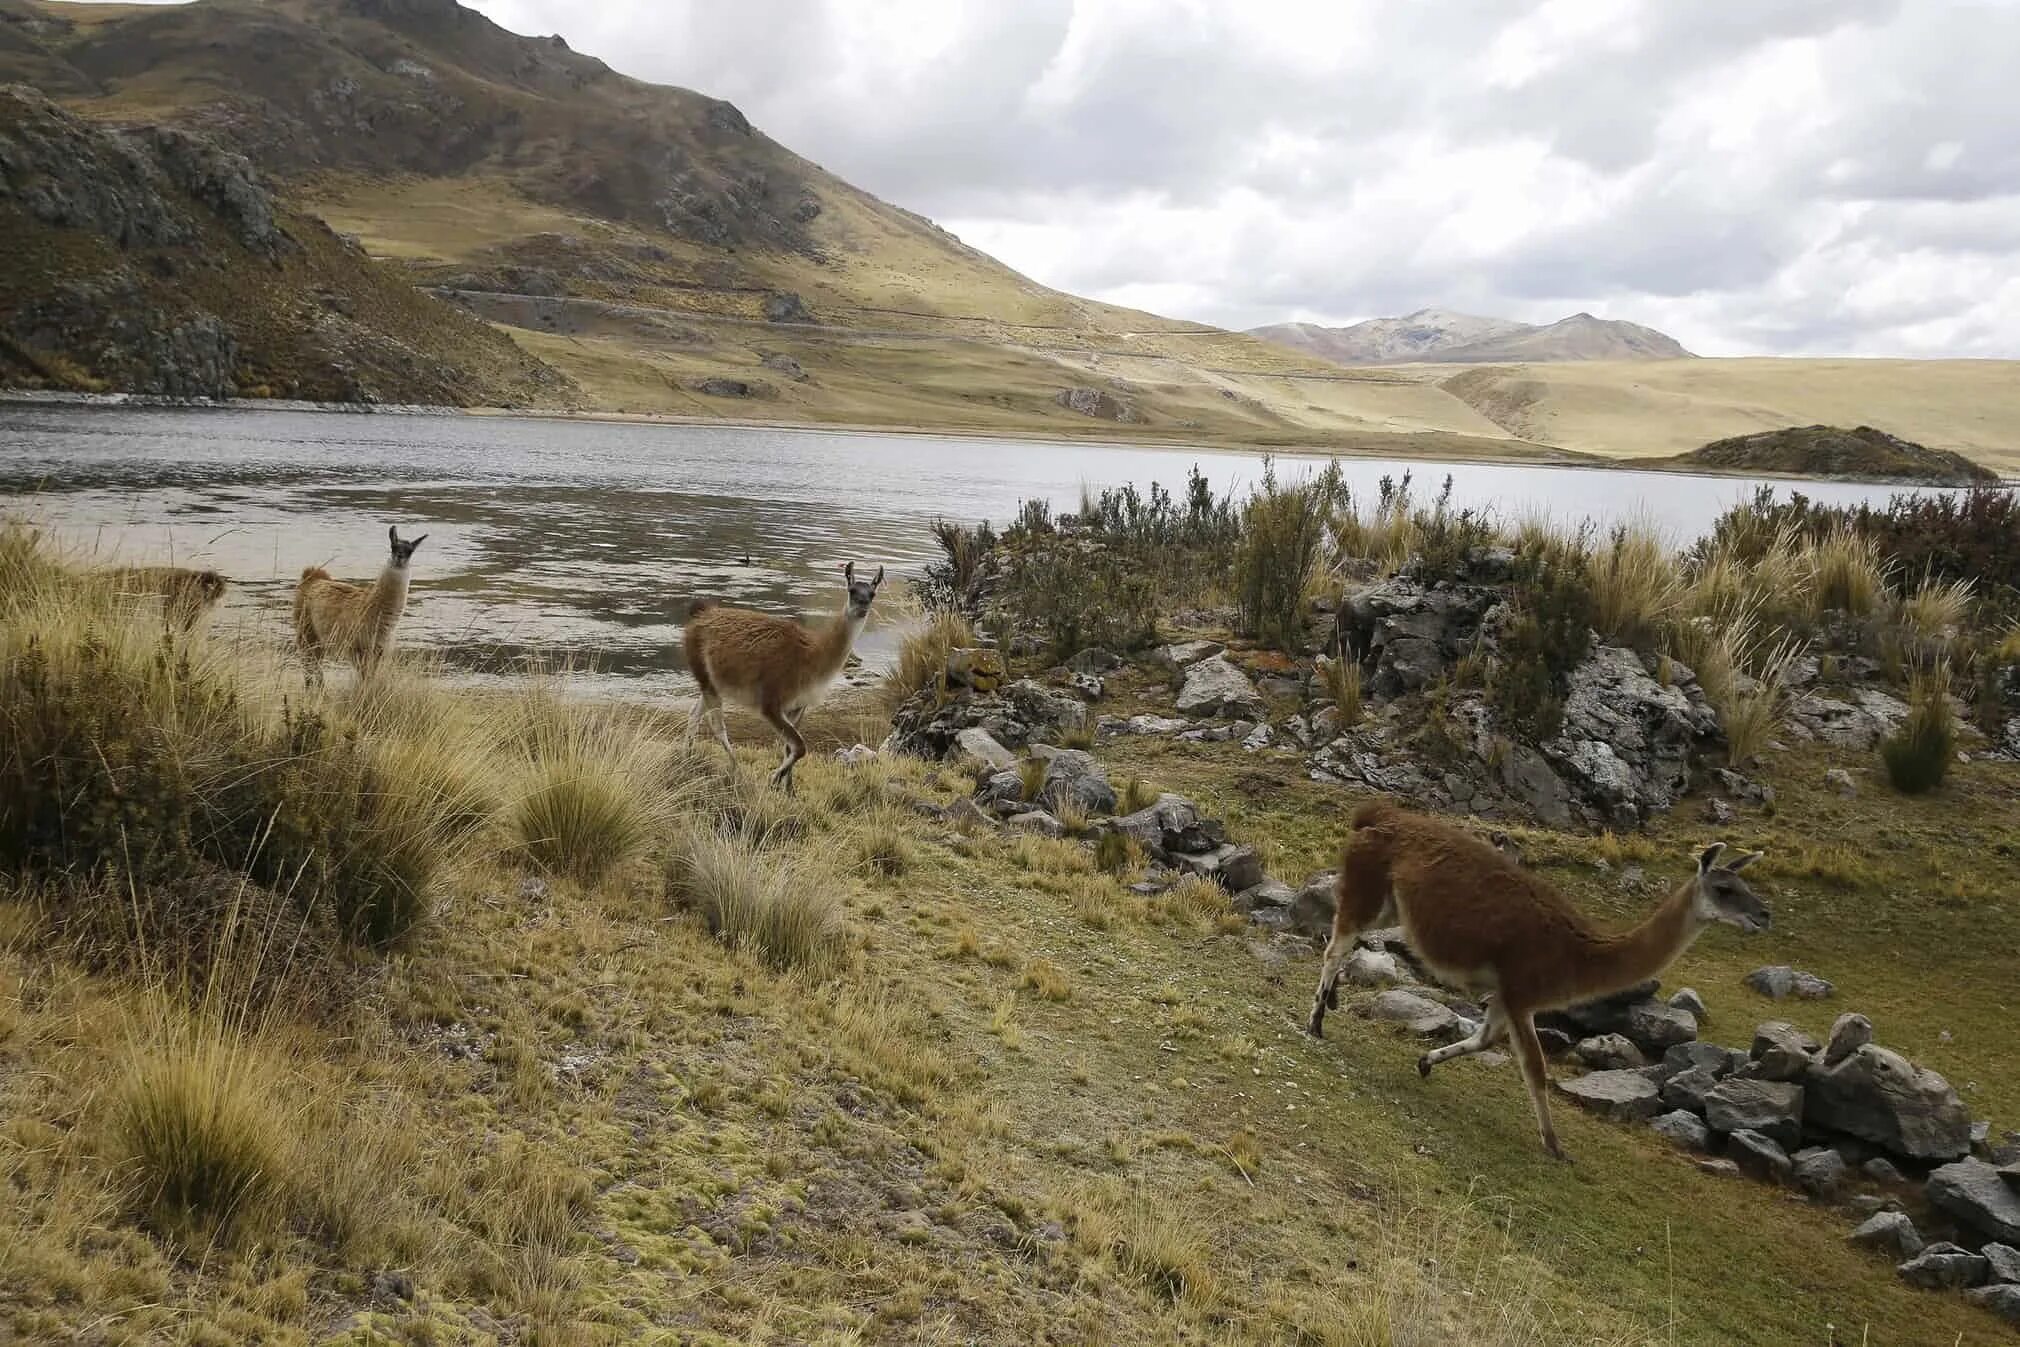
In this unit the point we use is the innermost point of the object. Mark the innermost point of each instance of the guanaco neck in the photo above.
(389, 597)
(1617, 960)
(833, 640)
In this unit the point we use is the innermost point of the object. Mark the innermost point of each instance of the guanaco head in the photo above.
(861, 592)
(1723, 896)
(210, 585)
(403, 552)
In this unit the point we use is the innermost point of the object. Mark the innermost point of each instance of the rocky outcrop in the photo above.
(1406, 635)
(1098, 403)
(786, 307)
(1215, 687)
(1972, 1192)
(1628, 741)
(1025, 711)
(1880, 1096)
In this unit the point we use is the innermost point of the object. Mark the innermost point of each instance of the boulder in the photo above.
(2004, 1262)
(1089, 687)
(1312, 913)
(1689, 1089)
(1421, 1015)
(1710, 1057)
(1891, 1233)
(927, 725)
(1001, 789)
(1858, 720)
(2003, 1301)
(1971, 1192)
(1156, 726)
(1780, 981)
(979, 744)
(1628, 740)
(1944, 1267)
(1840, 780)
(1074, 779)
(1037, 822)
(1880, 1096)
(1849, 1033)
(1657, 1026)
(1609, 1052)
(1882, 1170)
(1772, 1108)
(1759, 1156)
(1271, 895)
(1374, 968)
(1624, 1096)
(1820, 1172)
(1214, 687)
(1607, 1015)
(1685, 1129)
(1185, 654)
(1781, 1051)
(1406, 634)
(1687, 998)
(1240, 868)
(1171, 827)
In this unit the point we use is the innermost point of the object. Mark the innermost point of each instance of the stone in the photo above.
(977, 743)
(2003, 1301)
(1239, 868)
(1075, 780)
(1089, 687)
(1627, 740)
(1624, 1096)
(1889, 1232)
(1687, 999)
(1689, 1089)
(1185, 654)
(1849, 1033)
(1656, 1026)
(1878, 1095)
(1858, 720)
(1882, 1170)
(1312, 913)
(1171, 826)
(2003, 1261)
(1271, 894)
(1001, 788)
(1421, 1015)
(1608, 1014)
(1684, 1128)
(1023, 712)
(1094, 660)
(855, 755)
(1257, 739)
(2010, 1171)
(1555, 1042)
(1039, 823)
(1781, 1051)
(1871, 1204)
(1609, 1052)
(1758, 1156)
(786, 307)
(1214, 687)
(1971, 1192)
(1944, 1267)
(1779, 981)
(1840, 780)
(1719, 1062)
(1719, 1168)
(966, 816)
(1820, 1172)
(1374, 968)
(1156, 726)
(1772, 1108)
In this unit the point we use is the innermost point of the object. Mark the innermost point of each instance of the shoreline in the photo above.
(1544, 456)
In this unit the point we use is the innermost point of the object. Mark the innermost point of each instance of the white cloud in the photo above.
(1780, 175)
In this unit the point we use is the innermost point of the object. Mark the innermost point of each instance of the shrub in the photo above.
(773, 905)
(922, 659)
(1917, 755)
(1114, 852)
(1548, 636)
(953, 582)
(1075, 593)
(196, 1118)
(1283, 530)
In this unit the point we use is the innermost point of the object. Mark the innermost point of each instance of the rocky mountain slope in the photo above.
(1442, 337)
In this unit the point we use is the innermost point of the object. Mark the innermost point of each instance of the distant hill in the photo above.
(1438, 336)
(1833, 451)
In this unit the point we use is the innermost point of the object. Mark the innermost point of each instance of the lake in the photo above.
(554, 538)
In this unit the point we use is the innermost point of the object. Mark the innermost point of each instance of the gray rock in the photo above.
(1719, 1062)
(1624, 1096)
(1555, 1042)
(1981, 1139)
(1089, 687)
(1271, 894)
(1849, 1033)
(1038, 823)
(1001, 788)
(1772, 1108)
(1840, 780)
(1609, 1052)
(926, 726)
(1374, 968)
(1944, 1267)
(1214, 687)
(1889, 1232)
(981, 745)
(1185, 654)
(1094, 660)
(1972, 1192)
(1719, 1168)
(1627, 740)
(1687, 999)
(2004, 1301)
(1689, 1089)
(1781, 1051)
(2003, 1261)
(1170, 827)
(1880, 1096)
(1421, 1015)
(1865, 1205)
(1882, 1170)
(786, 307)
(1312, 913)
(1257, 739)
(1074, 778)
(1820, 1173)
(1859, 720)
(1684, 1128)
(1758, 1156)
(1156, 726)
(1779, 981)
(1656, 1026)
(1240, 868)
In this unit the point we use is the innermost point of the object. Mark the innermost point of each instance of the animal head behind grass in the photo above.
(403, 551)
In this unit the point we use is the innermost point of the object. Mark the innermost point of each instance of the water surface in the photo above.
(556, 538)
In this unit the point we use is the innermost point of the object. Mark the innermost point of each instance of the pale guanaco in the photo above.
(1481, 923)
(353, 622)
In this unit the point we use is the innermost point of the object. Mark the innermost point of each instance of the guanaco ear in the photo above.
(393, 532)
(418, 541)
(1709, 857)
(848, 572)
(1744, 859)
(878, 583)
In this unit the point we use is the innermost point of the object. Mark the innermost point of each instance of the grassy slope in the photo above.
(1130, 1141)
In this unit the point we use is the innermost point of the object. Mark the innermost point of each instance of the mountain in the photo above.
(1439, 336)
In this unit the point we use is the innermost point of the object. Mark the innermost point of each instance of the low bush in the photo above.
(1917, 755)
(1279, 552)
(1547, 636)
(772, 904)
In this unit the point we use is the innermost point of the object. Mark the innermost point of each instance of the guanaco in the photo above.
(186, 595)
(354, 622)
(773, 665)
(1481, 923)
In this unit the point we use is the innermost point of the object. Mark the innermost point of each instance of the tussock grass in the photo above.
(879, 843)
(1152, 1239)
(1196, 900)
(1047, 979)
(776, 905)
(1636, 585)
(1134, 794)
(1753, 716)
(591, 790)
(1116, 852)
(1031, 775)
(1342, 675)
(922, 659)
(1846, 574)
(1918, 754)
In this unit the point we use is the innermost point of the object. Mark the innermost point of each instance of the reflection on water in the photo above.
(557, 538)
